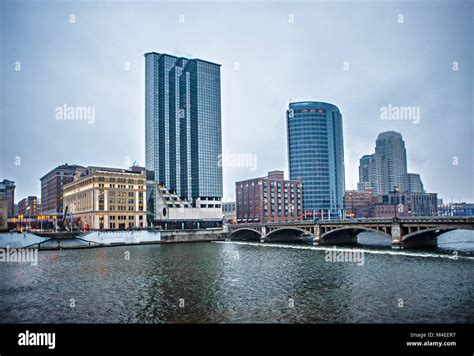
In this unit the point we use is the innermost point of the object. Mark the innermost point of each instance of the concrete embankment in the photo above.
(108, 239)
(192, 235)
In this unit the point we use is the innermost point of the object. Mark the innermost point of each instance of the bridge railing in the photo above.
(418, 219)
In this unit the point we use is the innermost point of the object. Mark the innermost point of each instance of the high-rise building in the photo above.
(269, 199)
(52, 187)
(386, 170)
(414, 183)
(108, 198)
(391, 162)
(367, 173)
(183, 126)
(316, 155)
(8, 189)
(28, 206)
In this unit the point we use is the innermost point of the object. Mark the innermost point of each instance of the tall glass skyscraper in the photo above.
(367, 173)
(391, 162)
(183, 135)
(316, 154)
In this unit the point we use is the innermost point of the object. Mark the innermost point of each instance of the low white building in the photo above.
(169, 207)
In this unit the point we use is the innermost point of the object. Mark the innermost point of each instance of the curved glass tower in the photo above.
(316, 155)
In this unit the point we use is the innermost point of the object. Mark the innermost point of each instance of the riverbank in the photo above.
(95, 239)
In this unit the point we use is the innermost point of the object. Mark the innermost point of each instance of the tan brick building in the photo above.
(108, 198)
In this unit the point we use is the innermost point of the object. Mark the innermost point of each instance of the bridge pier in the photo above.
(398, 238)
(317, 235)
(263, 238)
(396, 235)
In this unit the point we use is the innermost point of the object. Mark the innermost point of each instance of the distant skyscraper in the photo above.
(183, 126)
(367, 173)
(414, 183)
(316, 154)
(391, 162)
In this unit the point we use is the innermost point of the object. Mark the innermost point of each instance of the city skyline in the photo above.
(52, 142)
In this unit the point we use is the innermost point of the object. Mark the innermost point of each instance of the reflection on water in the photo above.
(241, 282)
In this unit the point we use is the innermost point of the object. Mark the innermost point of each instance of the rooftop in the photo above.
(189, 59)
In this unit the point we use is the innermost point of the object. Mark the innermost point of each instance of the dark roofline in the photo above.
(161, 54)
(203, 60)
(6, 181)
(113, 170)
(313, 102)
(62, 166)
(188, 59)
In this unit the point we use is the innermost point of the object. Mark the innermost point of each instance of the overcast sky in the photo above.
(360, 56)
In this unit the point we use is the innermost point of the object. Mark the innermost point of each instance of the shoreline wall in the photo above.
(108, 238)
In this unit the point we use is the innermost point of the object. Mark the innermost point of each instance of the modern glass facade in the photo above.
(183, 134)
(413, 183)
(367, 173)
(391, 162)
(316, 155)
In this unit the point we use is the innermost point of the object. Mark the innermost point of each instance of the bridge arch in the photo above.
(348, 234)
(426, 234)
(429, 237)
(289, 234)
(246, 234)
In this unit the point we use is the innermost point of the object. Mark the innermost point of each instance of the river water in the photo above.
(232, 282)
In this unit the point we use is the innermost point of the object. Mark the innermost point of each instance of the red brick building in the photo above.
(363, 204)
(52, 187)
(357, 203)
(269, 199)
(406, 203)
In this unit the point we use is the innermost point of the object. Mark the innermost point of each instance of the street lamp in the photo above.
(395, 190)
(29, 222)
(20, 218)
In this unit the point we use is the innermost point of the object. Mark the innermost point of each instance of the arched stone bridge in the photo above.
(402, 232)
